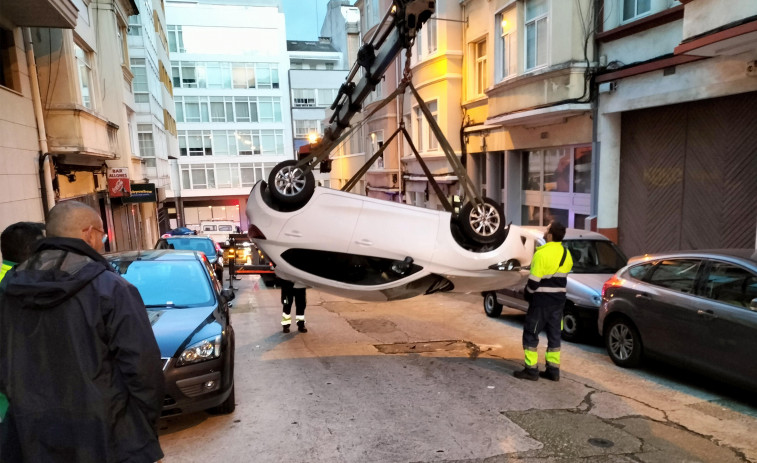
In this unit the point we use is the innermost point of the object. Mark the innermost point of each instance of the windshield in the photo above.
(168, 283)
(595, 256)
(224, 228)
(203, 245)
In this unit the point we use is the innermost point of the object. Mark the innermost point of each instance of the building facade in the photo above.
(677, 139)
(527, 107)
(84, 84)
(152, 123)
(230, 72)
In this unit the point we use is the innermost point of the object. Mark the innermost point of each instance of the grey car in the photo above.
(595, 259)
(694, 308)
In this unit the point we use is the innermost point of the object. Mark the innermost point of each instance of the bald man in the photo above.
(78, 359)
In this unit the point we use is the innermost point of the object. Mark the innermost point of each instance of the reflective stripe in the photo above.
(549, 289)
(553, 358)
(286, 319)
(300, 318)
(534, 278)
(532, 357)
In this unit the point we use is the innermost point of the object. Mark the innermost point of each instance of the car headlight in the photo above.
(207, 349)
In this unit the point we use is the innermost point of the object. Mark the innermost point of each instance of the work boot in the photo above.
(551, 373)
(286, 328)
(531, 374)
(301, 327)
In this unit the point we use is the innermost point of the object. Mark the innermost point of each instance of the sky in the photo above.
(304, 18)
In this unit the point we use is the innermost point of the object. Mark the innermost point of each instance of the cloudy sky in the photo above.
(304, 18)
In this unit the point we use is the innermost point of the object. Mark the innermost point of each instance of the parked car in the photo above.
(196, 243)
(695, 308)
(372, 249)
(189, 313)
(595, 259)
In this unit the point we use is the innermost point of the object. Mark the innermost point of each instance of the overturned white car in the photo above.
(376, 250)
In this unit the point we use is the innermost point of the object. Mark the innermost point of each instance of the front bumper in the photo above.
(188, 390)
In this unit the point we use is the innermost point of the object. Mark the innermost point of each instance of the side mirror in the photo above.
(228, 294)
(753, 305)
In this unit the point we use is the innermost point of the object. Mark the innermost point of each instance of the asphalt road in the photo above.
(430, 379)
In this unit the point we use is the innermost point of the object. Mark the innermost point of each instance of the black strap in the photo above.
(564, 255)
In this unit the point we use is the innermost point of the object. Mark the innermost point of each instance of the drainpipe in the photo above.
(47, 178)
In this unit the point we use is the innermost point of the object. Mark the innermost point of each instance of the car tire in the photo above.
(492, 308)
(290, 185)
(623, 342)
(485, 223)
(572, 330)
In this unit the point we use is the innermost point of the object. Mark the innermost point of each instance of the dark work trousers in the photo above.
(543, 318)
(296, 295)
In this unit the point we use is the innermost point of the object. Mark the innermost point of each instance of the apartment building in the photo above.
(316, 73)
(22, 196)
(230, 72)
(677, 137)
(527, 107)
(84, 82)
(152, 123)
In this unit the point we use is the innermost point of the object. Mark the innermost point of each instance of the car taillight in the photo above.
(254, 232)
(613, 281)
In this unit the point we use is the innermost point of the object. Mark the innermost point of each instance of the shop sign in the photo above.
(118, 182)
(142, 193)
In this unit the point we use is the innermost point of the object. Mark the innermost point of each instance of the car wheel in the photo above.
(483, 223)
(492, 308)
(290, 185)
(623, 342)
(571, 325)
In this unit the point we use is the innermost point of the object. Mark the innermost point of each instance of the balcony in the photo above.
(60, 14)
(75, 130)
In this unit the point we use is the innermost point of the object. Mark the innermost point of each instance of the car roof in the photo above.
(155, 255)
(747, 255)
(570, 233)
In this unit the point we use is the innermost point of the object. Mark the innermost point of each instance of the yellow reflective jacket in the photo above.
(549, 275)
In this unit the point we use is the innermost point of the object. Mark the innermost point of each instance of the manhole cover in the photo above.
(601, 443)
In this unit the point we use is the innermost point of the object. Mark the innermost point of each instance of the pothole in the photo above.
(458, 347)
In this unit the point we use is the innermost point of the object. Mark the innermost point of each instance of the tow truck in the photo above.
(244, 258)
(373, 249)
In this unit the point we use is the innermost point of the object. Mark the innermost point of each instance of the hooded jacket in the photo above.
(78, 361)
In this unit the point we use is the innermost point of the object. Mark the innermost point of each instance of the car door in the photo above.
(729, 324)
(667, 308)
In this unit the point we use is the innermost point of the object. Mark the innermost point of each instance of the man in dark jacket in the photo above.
(78, 359)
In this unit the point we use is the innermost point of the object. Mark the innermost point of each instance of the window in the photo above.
(730, 284)
(7, 59)
(349, 268)
(303, 97)
(146, 143)
(326, 96)
(433, 143)
(139, 84)
(676, 274)
(376, 141)
(506, 45)
(329, 66)
(418, 129)
(595, 256)
(431, 31)
(135, 26)
(635, 8)
(175, 39)
(536, 33)
(479, 79)
(122, 46)
(640, 271)
(304, 128)
(85, 75)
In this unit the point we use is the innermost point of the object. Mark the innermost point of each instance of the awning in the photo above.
(543, 116)
(730, 41)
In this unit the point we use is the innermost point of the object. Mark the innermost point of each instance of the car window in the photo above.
(168, 283)
(349, 268)
(676, 274)
(227, 228)
(208, 228)
(638, 272)
(730, 284)
(194, 244)
(595, 256)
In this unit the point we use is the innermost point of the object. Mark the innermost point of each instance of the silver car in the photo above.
(695, 308)
(595, 259)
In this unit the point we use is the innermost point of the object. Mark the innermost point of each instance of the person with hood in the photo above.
(78, 359)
